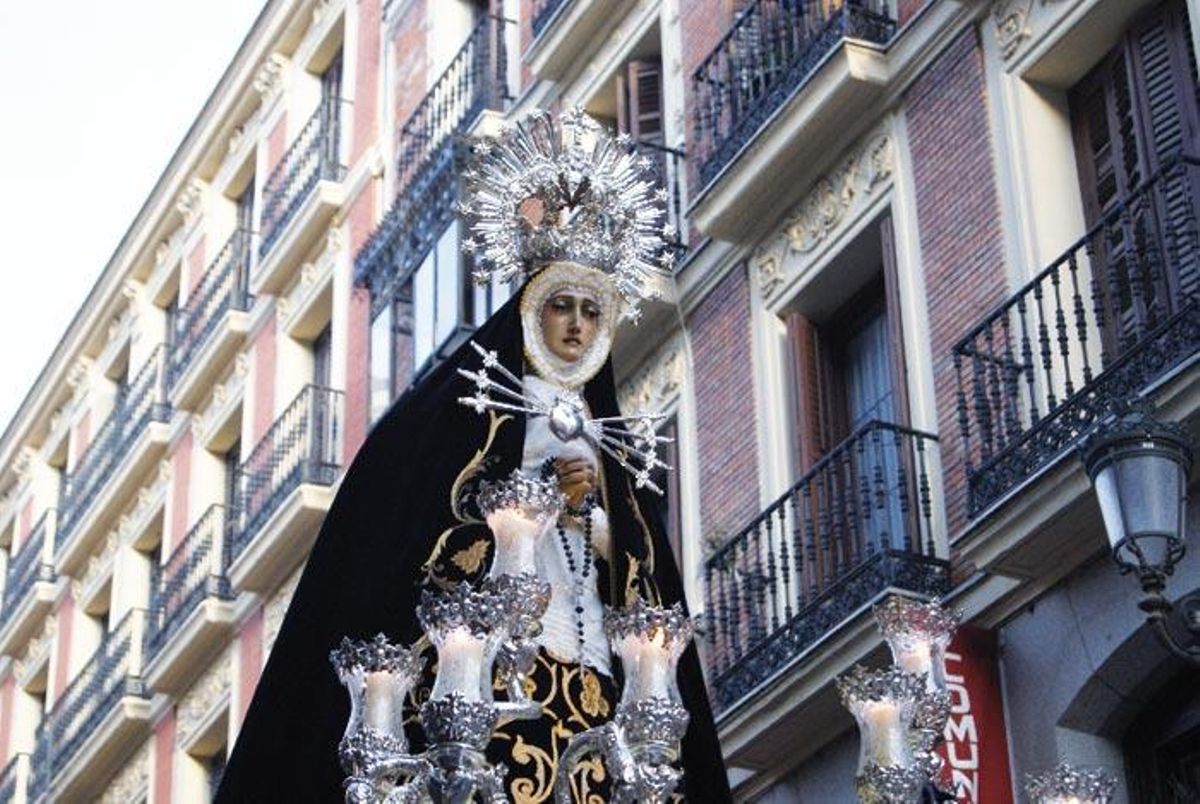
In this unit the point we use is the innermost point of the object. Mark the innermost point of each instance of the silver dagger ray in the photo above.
(631, 441)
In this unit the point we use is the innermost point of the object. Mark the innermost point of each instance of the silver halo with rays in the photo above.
(546, 191)
(631, 441)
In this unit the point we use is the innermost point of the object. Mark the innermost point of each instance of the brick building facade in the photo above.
(923, 245)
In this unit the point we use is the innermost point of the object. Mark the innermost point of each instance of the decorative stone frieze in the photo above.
(199, 702)
(276, 607)
(831, 206)
(131, 782)
(657, 383)
(1014, 22)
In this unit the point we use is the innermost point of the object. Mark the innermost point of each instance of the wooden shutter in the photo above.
(1133, 112)
(807, 390)
(639, 102)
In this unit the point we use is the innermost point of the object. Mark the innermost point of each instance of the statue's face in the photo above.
(569, 325)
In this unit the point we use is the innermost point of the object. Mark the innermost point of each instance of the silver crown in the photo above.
(548, 191)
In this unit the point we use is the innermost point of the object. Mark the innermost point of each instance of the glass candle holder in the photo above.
(519, 510)
(1065, 784)
(466, 626)
(883, 703)
(917, 633)
(649, 641)
(378, 675)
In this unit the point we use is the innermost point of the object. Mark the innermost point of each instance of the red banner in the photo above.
(976, 746)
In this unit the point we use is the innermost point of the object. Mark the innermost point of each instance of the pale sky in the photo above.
(95, 97)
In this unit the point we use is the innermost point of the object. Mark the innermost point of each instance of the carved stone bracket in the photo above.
(268, 83)
(276, 607)
(830, 206)
(191, 201)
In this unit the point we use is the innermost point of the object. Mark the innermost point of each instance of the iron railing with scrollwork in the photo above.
(475, 79)
(32, 563)
(311, 158)
(223, 287)
(40, 766)
(860, 521)
(1114, 314)
(543, 12)
(137, 404)
(113, 672)
(302, 446)
(194, 571)
(668, 165)
(769, 52)
(411, 227)
(10, 777)
(430, 161)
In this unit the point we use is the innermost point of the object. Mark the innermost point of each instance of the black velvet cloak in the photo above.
(367, 568)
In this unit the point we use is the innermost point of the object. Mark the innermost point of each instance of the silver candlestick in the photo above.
(641, 743)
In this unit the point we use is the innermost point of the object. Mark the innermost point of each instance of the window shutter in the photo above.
(806, 392)
(641, 106)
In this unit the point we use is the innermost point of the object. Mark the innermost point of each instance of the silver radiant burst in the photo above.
(631, 441)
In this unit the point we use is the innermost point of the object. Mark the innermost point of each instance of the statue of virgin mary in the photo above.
(568, 212)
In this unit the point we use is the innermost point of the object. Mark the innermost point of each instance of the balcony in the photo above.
(100, 716)
(474, 80)
(857, 525)
(746, 98)
(128, 443)
(669, 165)
(1115, 317)
(284, 489)
(300, 197)
(29, 588)
(191, 609)
(430, 160)
(543, 12)
(212, 323)
(14, 780)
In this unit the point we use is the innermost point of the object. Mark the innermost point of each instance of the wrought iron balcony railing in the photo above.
(857, 523)
(140, 402)
(311, 158)
(223, 287)
(10, 777)
(669, 164)
(543, 12)
(410, 228)
(302, 446)
(768, 53)
(1116, 313)
(31, 564)
(113, 672)
(40, 766)
(430, 160)
(475, 80)
(194, 571)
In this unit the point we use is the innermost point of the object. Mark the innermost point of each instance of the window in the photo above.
(1162, 746)
(231, 461)
(446, 305)
(322, 357)
(1134, 111)
(848, 397)
(331, 100)
(668, 480)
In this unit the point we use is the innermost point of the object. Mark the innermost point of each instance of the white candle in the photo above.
(884, 736)
(650, 675)
(382, 707)
(460, 666)
(915, 657)
(516, 536)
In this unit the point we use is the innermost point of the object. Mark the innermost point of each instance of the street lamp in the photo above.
(1139, 468)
